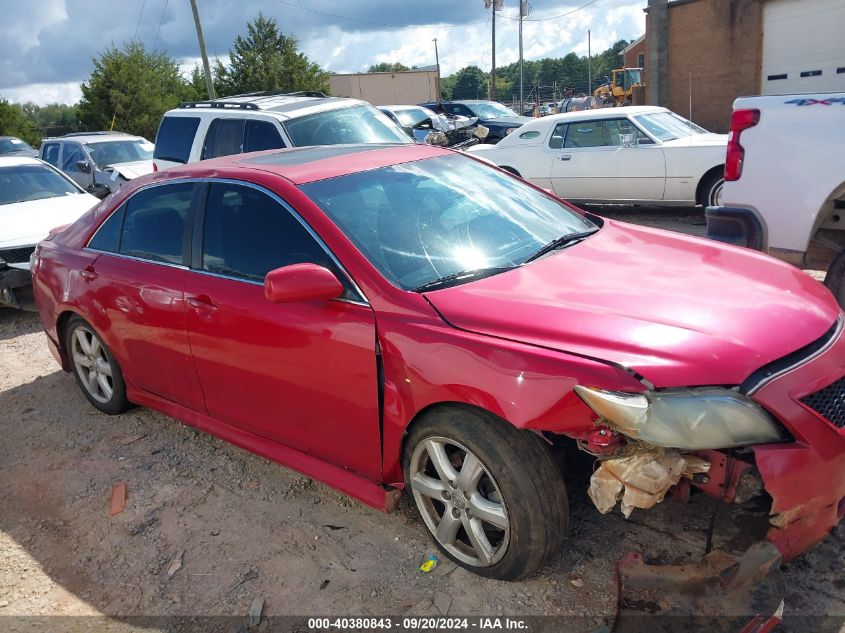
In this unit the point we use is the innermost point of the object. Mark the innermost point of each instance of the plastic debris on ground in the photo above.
(429, 563)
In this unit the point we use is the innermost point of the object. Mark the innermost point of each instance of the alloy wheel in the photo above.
(459, 501)
(92, 365)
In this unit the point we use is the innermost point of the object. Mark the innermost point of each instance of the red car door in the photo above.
(136, 285)
(301, 374)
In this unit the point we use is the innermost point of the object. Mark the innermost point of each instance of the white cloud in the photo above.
(44, 41)
(42, 94)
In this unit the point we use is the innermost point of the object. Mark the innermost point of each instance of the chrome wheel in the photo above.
(92, 365)
(459, 501)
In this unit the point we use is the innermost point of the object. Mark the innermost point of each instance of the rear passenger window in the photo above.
(50, 154)
(107, 237)
(224, 138)
(154, 226)
(261, 135)
(175, 138)
(559, 133)
(246, 234)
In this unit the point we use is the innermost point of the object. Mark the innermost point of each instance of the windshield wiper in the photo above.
(561, 242)
(461, 277)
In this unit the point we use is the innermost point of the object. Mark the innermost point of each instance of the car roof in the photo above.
(280, 104)
(14, 161)
(93, 137)
(302, 165)
(603, 112)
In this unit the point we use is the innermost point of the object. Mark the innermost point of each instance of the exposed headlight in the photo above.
(509, 130)
(690, 419)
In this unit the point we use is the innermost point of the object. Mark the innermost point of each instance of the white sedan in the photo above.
(636, 154)
(34, 198)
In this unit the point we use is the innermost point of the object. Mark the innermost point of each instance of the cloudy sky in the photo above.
(46, 46)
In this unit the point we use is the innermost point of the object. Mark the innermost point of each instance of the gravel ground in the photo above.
(245, 528)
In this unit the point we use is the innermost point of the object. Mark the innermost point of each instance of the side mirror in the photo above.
(628, 140)
(301, 282)
(644, 140)
(84, 166)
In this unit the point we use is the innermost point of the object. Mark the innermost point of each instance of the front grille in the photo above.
(829, 402)
(16, 255)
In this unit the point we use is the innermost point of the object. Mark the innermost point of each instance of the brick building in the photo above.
(712, 51)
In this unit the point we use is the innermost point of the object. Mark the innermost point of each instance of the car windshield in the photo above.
(667, 126)
(115, 152)
(490, 110)
(414, 116)
(22, 183)
(9, 145)
(358, 124)
(423, 221)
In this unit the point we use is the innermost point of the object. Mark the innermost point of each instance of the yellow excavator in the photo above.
(619, 89)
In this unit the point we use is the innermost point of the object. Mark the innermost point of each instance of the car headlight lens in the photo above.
(690, 419)
(509, 130)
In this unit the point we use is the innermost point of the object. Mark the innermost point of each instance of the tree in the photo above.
(387, 67)
(470, 83)
(13, 122)
(268, 60)
(130, 89)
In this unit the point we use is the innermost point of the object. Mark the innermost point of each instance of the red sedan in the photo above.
(386, 318)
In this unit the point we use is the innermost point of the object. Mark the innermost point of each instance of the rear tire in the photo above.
(95, 369)
(711, 189)
(835, 278)
(490, 495)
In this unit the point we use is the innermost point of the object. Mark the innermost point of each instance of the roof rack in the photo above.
(225, 104)
(222, 105)
(281, 93)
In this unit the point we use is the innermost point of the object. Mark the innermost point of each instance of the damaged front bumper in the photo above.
(16, 288)
(804, 476)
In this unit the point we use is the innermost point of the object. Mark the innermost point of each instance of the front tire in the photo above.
(490, 495)
(835, 278)
(95, 369)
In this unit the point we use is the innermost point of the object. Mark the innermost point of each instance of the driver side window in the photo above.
(246, 234)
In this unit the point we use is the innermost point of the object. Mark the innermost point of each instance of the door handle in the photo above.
(202, 302)
(88, 273)
(565, 157)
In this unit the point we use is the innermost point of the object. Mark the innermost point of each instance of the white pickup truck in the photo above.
(784, 190)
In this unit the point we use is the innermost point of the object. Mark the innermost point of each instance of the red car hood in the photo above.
(679, 310)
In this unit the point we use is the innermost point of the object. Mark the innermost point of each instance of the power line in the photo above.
(553, 17)
(152, 50)
(373, 23)
(140, 15)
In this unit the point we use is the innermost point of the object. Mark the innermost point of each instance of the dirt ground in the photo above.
(244, 527)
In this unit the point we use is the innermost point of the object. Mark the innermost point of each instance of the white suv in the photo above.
(267, 120)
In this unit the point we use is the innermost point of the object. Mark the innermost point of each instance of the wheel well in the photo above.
(61, 323)
(511, 170)
(699, 194)
(828, 235)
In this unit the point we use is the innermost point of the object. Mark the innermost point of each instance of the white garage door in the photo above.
(803, 46)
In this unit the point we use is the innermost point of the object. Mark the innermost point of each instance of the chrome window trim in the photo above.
(136, 259)
(840, 325)
(363, 298)
(253, 282)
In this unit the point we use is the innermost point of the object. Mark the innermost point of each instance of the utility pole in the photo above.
(496, 5)
(523, 12)
(209, 82)
(493, 69)
(437, 61)
(589, 66)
